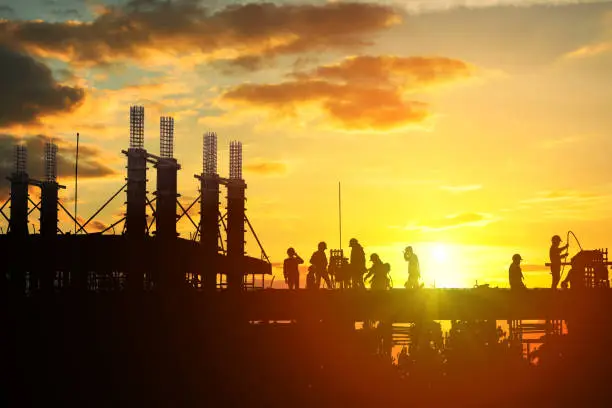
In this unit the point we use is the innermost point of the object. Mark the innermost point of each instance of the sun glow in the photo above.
(439, 266)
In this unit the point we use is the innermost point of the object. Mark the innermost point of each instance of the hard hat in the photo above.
(516, 257)
(556, 238)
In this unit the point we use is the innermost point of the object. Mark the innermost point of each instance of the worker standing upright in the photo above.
(556, 255)
(358, 263)
(290, 269)
(515, 274)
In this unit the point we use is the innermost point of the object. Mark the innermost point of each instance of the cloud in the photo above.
(143, 29)
(266, 168)
(534, 268)
(6, 10)
(358, 93)
(557, 196)
(429, 6)
(590, 50)
(29, 90)
(96, 225)
(92, 161)
(461, 189)
(455, 221)
(409, 72)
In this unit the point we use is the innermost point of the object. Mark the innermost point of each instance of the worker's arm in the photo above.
(299, 259)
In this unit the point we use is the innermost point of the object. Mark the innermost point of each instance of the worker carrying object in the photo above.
(379, 274)
(414, 270)
(515, 274)
(318, 261)
(556, 255)
(290, 269)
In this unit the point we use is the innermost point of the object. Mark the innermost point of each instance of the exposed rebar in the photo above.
(166, 137)
(21, 158)
(209, 165)
(136, 127)
(50, 161)
(235, 160)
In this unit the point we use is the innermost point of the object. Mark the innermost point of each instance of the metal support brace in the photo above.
(71, 217)
(263, 252)
(112, 225)
(185, 212)
(36, 206)
(103, 206)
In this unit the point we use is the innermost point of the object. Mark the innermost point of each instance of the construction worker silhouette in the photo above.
(414, 270)
(378, 273)
(318, 260)
(290, 269)
(515, 274)
(358, 263)
(556, 255)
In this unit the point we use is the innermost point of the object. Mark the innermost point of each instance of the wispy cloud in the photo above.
(417, 6)
(266, 167)
(590, 50)
(461, 189)
(467, 219)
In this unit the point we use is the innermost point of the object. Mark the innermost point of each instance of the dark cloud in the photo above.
(6, 10)
(67, 13)
(358, 93)
(92, 162)
(29, 90)
(248, 32)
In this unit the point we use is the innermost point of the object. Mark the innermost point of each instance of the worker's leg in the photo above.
(556, 276)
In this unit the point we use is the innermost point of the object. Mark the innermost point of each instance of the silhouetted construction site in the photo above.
(136, 314)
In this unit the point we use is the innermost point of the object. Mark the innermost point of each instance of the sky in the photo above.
(468, 129)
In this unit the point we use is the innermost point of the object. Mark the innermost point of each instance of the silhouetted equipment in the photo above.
(209, 208)
(49, 193)
(339, 269)
(588, 269)
(235, 218)
(18, 223)
(142, 257)
(166, 194)
(136, 205)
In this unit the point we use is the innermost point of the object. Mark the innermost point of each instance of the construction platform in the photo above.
(394, 306)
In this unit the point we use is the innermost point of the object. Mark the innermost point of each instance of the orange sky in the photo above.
(470, 133)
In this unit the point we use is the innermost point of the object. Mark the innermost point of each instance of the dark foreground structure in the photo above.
(147, 318)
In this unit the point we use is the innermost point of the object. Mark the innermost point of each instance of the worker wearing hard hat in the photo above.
(556, 255)
(515, 274)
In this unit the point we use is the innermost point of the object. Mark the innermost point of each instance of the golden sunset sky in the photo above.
(469, 129)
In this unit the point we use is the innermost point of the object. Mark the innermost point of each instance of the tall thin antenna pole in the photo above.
(340, 213)
(76, 184)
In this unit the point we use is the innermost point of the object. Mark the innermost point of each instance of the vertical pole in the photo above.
(76, 183)
(340, 214)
